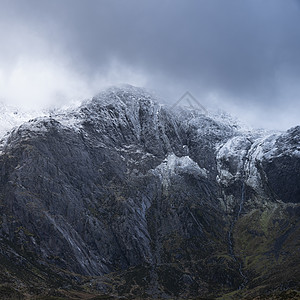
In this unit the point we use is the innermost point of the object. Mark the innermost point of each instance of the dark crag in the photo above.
(126, 197)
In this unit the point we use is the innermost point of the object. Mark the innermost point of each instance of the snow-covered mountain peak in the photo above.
(127, 94)
(11, 116)
(126, 106)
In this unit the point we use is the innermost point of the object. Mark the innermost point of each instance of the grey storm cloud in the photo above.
(241, 55)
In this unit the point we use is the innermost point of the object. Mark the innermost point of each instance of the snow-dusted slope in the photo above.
(125, 184)
(126, 116)
(12, 116)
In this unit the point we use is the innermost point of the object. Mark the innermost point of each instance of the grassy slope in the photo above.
(268, 243)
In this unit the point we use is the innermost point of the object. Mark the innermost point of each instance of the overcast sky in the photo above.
(239, 55)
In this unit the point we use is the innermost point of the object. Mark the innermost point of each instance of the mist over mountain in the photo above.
(124, 197)
(240, 56)
(182, 183)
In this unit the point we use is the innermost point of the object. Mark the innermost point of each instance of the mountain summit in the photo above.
(126, 197)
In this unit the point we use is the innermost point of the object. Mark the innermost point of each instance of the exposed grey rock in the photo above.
(124, 182)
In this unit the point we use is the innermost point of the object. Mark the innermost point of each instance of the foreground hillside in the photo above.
(125, 197)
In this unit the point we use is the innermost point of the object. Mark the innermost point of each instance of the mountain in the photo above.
(126, 198)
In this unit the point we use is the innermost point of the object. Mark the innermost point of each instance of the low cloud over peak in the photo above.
(240, 55)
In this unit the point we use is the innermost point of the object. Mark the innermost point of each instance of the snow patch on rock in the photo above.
(174, 165)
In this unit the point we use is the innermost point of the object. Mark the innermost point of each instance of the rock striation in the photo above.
(126, 197)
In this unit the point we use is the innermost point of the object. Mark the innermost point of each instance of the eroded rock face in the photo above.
(126, 185)
(283, 170)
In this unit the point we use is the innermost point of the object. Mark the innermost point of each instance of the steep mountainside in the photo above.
(126, 197)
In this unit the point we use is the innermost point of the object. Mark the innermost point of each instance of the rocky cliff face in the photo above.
(126, 197)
